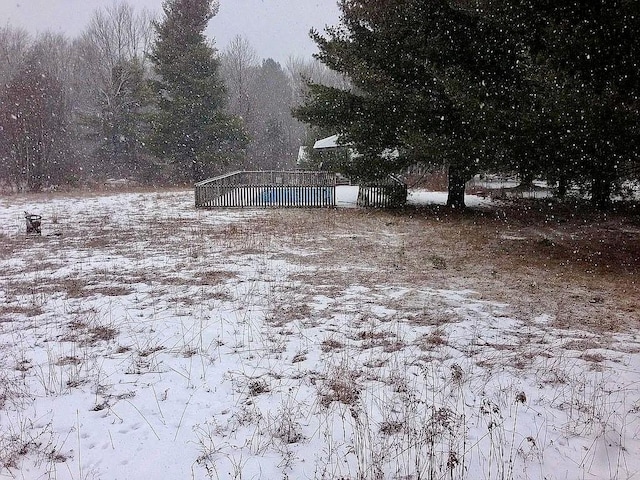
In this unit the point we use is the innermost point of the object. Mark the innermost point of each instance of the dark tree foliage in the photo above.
(543, 88)
(270, 143)
(190, 127)
(119, 127)
(587, 57)
(123, 122)
(432, 79)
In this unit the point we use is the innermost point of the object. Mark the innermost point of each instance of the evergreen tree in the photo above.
(113, 88)
(123, 124)
(431, 78)
(190, 127)
(585, 122)
(271, 146)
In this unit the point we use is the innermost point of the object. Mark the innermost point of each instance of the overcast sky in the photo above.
(275, 28)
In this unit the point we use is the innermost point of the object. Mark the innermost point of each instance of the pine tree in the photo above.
(122, 118)
(431, 78)
(584, 56)
(112, 75)
(190, 127)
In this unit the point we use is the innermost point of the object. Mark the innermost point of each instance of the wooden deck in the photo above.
(267, 189)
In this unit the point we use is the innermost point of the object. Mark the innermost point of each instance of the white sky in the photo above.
(275, 28)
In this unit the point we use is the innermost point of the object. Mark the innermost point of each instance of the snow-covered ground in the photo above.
(142, 338)
(424, 197)
(347, 196)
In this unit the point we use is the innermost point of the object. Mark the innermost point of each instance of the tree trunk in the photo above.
(195, 174)
(455, 198)
(601, 192)
(563, 186)
(193, 167)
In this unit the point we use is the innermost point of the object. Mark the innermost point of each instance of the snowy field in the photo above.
(142, 338)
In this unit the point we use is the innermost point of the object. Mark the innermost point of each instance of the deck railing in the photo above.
(388, 193)
(267, 189)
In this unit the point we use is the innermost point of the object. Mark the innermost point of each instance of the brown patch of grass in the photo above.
(57, 457)
(438, 262)
(9, 244)
(391, 427)
(583, 274)
(75, 288)
(219, 295)
(370, 335)
(111, 291)
(257, 387)
(593, 357)
(88, 332)
(501, 347)
(434, 317)
(6, 312)
(38, 265)
(386, 340)
(342, 387)
(100, 333)
(172, 280)
(214, 277)
(184, 300)
(299, 357)
(68, 360)
(189, 352)
(581, 344)
(331, 344)
(433, 339)
(94, 242)
(391, 346)
(284, 314)
(147, 352)
(15, 288)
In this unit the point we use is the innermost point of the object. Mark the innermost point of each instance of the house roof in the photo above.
(329, 142)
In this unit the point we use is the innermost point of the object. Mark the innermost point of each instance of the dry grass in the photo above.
(586, 276)
(331, 344)
(111, 291)
(8, 312)
(214, 277)
(341, 386)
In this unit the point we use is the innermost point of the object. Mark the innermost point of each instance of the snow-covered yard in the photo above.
(142, 338)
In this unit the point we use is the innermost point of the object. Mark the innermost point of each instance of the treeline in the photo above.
(542, 89)
(76, 112)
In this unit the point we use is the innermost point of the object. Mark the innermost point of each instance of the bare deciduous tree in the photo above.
(34, 114)
(302, 71)
(239, 62)
(14, 45)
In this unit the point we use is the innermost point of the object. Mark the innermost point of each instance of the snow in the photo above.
(347, 196)
(423, 197)
(142, 338)
(328, 142)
